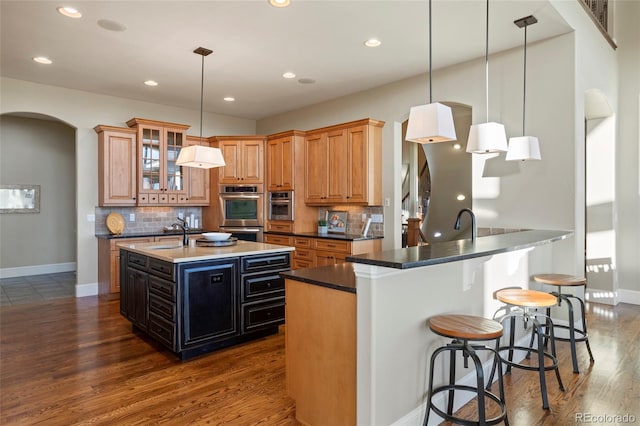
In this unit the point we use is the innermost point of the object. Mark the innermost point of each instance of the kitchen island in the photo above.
(362, 351)
(194, 299)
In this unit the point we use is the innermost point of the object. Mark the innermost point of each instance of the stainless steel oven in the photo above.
(246, 233)
(280, 205)
(241, 205)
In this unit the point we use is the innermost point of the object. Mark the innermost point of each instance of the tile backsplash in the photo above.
(354, 218)
(147, 219)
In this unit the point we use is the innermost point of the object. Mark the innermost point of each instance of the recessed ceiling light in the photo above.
(279, 3)
(372, 42)
(457, 146)
(461, 197)
(437, 234)
(306, 81)
(70, 12)
(151, 83)
(289, 75)
(229, 98)
(43, 60)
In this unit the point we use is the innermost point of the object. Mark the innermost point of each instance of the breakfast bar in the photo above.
(357, 333)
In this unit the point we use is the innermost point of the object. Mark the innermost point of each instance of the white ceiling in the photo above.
(253, 45)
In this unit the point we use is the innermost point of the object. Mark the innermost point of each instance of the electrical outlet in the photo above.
(364, 217)
(387, 202)
(132, 217)
(181, 215)
(91, 218)
(377, 218)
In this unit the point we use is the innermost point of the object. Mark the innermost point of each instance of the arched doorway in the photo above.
(39, 150)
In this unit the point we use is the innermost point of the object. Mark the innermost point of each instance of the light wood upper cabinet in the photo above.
(343, 164)
(116, 166)
(244, 158)
(280, 164)
(198, 180)
(160, 180)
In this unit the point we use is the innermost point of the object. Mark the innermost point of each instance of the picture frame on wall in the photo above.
(337, 221)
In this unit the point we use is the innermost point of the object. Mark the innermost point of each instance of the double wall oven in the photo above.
(242, 210)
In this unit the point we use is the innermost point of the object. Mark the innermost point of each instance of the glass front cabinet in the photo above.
(160, 180)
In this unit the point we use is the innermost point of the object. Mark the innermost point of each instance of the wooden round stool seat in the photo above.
(526, 298)
(465, 327)
(560, 279)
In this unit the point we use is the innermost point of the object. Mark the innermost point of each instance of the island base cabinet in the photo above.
(321, 332)
(209, 295)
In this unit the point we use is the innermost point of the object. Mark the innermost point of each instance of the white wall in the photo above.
(518, 201)
(627, 14)
(83, 111)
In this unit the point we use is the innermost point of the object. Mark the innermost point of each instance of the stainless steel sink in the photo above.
(165, 247)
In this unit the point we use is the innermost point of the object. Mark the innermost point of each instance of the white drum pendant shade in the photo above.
(431, 123)
(202, 157)
(485, 138)
(523, 148)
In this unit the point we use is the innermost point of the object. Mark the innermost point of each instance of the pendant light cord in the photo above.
(486, 63)
(201, 97)
(524, 84)
(430, 62)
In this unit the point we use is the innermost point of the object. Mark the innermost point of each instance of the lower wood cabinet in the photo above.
(196, 307)
(312, 252)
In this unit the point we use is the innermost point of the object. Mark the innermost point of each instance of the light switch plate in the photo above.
(132, 217)
(91, 218)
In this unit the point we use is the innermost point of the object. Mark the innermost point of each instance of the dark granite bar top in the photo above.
(148, 234)
(330, 236)
(337, 277)
(452, 251)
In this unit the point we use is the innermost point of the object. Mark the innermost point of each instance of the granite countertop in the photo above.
(337, 277)
(452, 251)
(330, 236)
(177, 253)
(149, 234)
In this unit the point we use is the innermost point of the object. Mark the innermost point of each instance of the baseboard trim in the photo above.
(629, 296)
(22, 271)
(83, 290)
(416, 416)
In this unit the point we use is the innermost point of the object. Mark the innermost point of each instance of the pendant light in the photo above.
(200, 156)
(433, 122)
(489, 136)
(524, 147)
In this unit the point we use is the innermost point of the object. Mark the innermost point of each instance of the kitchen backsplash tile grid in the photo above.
(354, 218)
(147, 219)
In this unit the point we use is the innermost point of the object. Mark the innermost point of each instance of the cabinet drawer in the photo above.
(162, 288)
(303, 254)
(333, 245)
(162, 307)
(261, 262)
(137, 260)
(162, 330)
(302, 242)
(282, 240)
(302, 264)
(262, 315)
(262, 286)
(163, 269)
(280, 226)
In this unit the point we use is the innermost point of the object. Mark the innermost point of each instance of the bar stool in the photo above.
(560, 281)
(463, 329)
(525, 300)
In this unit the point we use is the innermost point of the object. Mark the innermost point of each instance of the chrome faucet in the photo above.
(182, 224)
(474, 228)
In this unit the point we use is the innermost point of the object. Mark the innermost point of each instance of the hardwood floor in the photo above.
(75, 361)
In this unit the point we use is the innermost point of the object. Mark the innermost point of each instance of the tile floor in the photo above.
(37, 288)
